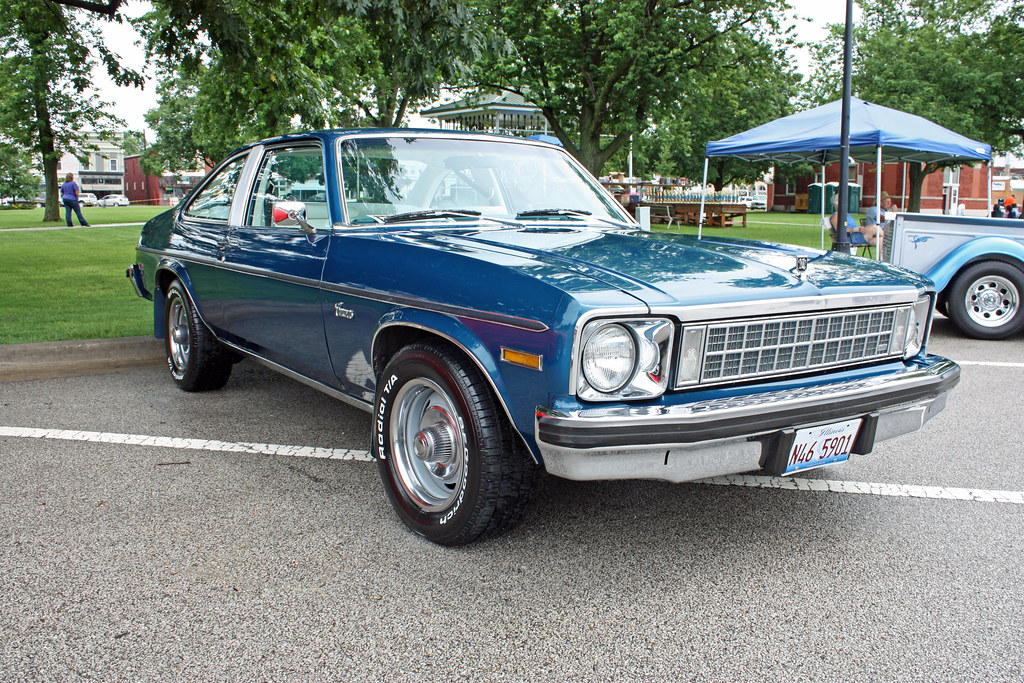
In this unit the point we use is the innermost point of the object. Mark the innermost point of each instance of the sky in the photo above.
(131, 104)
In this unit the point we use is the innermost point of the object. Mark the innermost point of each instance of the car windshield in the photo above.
(418, 178)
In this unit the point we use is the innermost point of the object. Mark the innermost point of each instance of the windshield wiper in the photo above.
(431, 213)
(553, 212)
(571, 213)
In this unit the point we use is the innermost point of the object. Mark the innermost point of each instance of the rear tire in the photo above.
(985, 300)
(197, 361)
(451, 465)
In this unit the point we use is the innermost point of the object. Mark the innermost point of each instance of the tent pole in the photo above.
(822, 203)
(988, 202)
(703, 194)
(878, 199)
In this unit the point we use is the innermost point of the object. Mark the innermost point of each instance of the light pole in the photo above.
(842, 239)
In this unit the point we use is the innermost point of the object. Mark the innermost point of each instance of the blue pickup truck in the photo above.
(977, 265)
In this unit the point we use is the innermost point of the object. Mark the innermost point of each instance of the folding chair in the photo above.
(663, 212)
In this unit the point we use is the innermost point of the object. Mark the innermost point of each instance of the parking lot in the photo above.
(244, 535)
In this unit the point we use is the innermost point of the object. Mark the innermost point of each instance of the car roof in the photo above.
(333, 133)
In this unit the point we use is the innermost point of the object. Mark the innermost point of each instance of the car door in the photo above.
(203, 225)
(272, 306)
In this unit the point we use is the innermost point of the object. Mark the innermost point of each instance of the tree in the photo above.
(134, 142)
(753, 84)
(46, 102)
(950, 61)
(358, 62)
(16, 177)
(601, 71)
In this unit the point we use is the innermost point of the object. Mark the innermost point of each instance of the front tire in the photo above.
(985, 300)
(451, 465)
(197, 361)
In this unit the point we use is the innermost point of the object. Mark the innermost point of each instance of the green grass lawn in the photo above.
(70, 284)
(789, 228)
(96, 215)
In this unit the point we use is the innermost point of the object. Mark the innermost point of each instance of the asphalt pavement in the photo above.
(241, 534)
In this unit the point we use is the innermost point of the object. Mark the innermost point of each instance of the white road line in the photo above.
(990, 364)
(190, 444)
(870, 489)
(758, 481)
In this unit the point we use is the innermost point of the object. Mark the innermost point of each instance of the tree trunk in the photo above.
(916, 176)
(45, 144)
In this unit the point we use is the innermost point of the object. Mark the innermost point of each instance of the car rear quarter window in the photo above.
(214, 201)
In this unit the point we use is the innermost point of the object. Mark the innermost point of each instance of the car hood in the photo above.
(662, 269)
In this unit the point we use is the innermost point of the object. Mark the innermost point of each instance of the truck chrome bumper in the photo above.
(736, 434)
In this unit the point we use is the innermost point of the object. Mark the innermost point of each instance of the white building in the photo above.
(103, 172)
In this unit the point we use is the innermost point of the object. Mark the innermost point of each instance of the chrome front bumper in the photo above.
(735, 434)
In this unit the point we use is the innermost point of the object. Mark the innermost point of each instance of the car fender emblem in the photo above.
(342, 312)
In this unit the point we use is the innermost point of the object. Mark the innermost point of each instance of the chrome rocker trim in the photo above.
(737, 434)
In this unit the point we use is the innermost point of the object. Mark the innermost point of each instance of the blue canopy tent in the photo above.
(877, 134)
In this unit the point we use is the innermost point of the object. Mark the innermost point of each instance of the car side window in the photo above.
(293, 174)
(214, 201)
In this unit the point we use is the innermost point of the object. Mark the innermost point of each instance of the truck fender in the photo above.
(981, 249)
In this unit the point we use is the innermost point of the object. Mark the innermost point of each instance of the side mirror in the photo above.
(292, 213)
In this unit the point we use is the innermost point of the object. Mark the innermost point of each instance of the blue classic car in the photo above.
(497, 312)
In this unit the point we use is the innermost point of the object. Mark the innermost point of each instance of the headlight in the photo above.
(624, 359)
(609, 358)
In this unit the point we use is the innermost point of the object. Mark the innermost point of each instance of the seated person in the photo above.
(875, 220)
(858, 236)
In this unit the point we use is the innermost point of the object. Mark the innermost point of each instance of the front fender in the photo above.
(506, 381)
(981, 249)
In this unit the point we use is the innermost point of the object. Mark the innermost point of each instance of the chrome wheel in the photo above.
(179, 338)
(428, 444)
(992, 301)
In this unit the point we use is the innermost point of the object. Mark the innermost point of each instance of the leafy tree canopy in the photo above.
(601, 71)
(752, 84)
(16, 177)
(249, 76)
(47, 104)
(954, 62)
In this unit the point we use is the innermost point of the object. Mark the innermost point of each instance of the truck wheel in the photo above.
(450, 463)
(985, 301)
(198, 362)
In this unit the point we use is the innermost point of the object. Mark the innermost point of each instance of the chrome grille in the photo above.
(744, 349)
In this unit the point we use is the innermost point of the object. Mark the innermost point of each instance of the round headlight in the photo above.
(609, 358)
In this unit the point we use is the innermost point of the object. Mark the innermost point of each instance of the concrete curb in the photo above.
(77, 357)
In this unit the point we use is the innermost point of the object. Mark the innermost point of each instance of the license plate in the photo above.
(823, 445)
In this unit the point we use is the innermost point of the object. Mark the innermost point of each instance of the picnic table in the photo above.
(716, 214)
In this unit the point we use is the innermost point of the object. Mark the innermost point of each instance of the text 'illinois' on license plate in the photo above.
(821, 445)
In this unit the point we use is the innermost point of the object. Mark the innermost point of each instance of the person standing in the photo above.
(69, 195)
